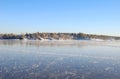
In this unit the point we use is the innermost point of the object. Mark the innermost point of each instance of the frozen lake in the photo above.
(59, 59)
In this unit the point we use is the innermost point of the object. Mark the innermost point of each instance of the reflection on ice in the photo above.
(80, 43)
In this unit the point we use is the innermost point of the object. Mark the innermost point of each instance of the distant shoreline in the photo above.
(57, 36)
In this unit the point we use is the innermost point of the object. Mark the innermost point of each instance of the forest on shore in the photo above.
(57, 36)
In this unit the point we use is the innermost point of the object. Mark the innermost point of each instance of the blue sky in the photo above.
(88, 16)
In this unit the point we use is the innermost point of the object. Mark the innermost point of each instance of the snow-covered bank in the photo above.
(52, 39)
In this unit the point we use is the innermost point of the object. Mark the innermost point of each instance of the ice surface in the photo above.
(83, 59)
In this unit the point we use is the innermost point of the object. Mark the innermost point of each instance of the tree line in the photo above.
(57, 36)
